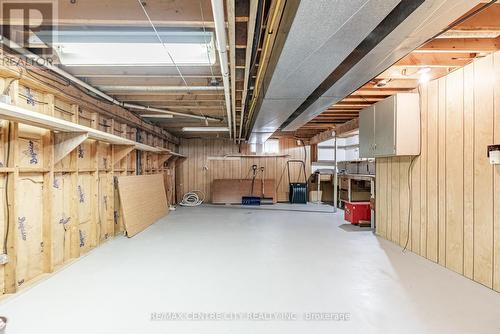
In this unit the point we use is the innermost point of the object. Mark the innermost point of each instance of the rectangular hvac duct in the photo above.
(330, 37)
(321, 35)
(426, 21)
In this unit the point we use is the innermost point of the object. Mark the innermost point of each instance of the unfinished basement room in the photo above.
(250, 166)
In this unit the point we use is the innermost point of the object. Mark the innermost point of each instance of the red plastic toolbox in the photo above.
(356, 211)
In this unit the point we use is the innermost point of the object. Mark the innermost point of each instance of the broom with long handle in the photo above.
(251, 199)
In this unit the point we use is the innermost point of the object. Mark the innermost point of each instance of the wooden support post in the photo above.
(109, 204)
(72, 236)
(75, 109)
(95, 227)
(49, 104)
(48, 181)
(124, 162)
(10, 270)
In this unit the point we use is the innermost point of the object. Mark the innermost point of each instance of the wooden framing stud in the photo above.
(48, 181)
(10, 269)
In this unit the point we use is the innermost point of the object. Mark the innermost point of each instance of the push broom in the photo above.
(251, 199)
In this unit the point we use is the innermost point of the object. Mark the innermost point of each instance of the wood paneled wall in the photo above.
(455, 192)
(205, 163)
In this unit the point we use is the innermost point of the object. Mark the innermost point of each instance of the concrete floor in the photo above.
(210, 259)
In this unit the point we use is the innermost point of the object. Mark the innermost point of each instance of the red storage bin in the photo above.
(356, 211)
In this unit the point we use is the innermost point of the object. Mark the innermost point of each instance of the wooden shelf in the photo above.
(17, 114)
(236, 156)
(257, 155)
(178, 155)
(347, 146)
(357, 160)
(170, 152)
(146, 148)
(362, 177)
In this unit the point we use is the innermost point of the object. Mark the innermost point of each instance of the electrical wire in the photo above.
(208, 56)
(193, 198)
(206, 42)
(410, 199)
(34, 100)
(7, 87)
(162, 43)
(60, 79)
(69, 94)
(7, 212)
(410, 168)
(166, 49)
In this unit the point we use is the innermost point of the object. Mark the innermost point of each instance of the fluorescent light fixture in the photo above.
(157, 116)
(205, 129)
(130, 54)
(133, 47)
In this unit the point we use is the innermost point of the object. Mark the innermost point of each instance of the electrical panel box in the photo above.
(390, 127)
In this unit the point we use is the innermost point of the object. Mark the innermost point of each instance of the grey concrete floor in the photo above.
(265, 262)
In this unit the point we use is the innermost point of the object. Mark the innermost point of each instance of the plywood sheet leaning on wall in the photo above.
(143, 201)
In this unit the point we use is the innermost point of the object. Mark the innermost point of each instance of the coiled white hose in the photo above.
(193, 198)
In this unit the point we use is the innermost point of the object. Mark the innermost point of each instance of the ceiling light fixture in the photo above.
(381, 83)
(133, 47)
(424, 70)
(205, 129)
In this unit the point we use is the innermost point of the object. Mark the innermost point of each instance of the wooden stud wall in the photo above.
(205, 163)
(455, 194)
(57, 210)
